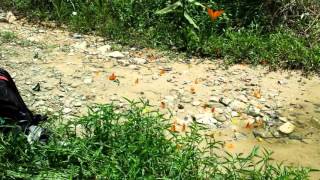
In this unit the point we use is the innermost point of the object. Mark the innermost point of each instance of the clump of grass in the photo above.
(282, 49)
(131, 144)
(7, 36)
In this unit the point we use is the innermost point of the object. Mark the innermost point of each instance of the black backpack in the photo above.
(13, 110)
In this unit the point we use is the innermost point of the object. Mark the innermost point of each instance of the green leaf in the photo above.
(169, 8)
(191, 21)
(197, 3)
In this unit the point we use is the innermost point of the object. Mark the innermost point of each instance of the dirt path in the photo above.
(243, 106)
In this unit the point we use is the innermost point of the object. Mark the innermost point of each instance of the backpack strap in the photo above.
(3, 78)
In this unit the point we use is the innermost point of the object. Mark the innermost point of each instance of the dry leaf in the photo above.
(213, 109)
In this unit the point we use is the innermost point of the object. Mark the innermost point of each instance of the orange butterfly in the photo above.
(214, 14)
(112, 77)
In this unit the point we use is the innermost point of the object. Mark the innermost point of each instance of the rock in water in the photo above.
(286, 128)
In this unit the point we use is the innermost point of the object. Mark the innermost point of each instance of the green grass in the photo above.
(112, 143)
(10, 37)
(280, 34)
(7, 37)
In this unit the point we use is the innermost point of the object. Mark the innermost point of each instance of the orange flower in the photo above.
(214, 14)
(112, 77)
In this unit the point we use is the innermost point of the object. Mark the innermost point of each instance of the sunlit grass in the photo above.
(131, 144)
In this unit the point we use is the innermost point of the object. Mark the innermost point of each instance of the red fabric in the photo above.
(3, 78)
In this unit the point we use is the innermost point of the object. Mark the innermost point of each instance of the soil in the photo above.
(73, 76)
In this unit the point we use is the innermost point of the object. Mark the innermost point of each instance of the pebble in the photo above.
(220, 117)
(133, 67)
(286, 128)
(253, 111)
(87, 80)
(234, 114)
(10, 17)
(206, 119)
(81, 45)
(77, 104)
(77, 36)
(155, 77)
(196, 103)
(104, 49)
(180, 106)
(283, 119)
(123, 62)
(115, 54)
(138, 61)
(67, 110)
(214, 99)
(186, 99)
(225, 101)
(237, 105)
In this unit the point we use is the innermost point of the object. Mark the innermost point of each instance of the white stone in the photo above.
(206, 119)
(225, 101)
(138, 61)
(66, 110)
(134, 67)
(87, 80)
(214, 99)
(123, 62)
(237, 105)
(286, 128)
(196, 103)
(77, 104)
(234, 114)
(10, 17)
(169, 99)
(115, 54)
(81, 45)
(104, 49)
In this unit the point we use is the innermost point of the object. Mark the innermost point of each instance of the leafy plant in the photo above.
(181, 7)
(130, 143)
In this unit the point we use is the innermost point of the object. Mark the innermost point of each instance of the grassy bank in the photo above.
(279, 33)
(130, 144)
